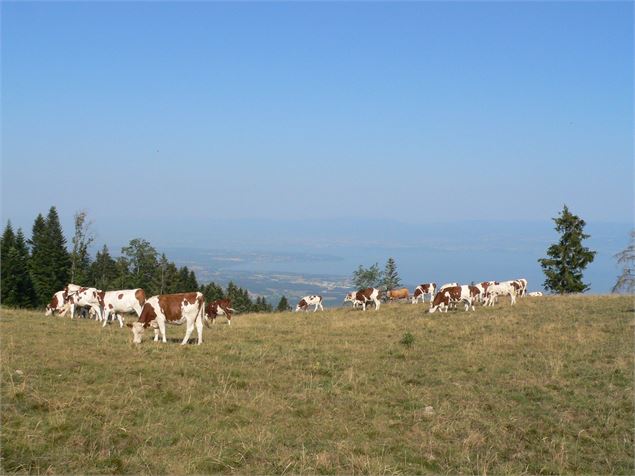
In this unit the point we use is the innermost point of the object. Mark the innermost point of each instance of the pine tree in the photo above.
(20, 292)
(283, 305)
(60, 259)
(567, 258)
(7, 243)
(626, 281)
(367, 277)
(239, 298)
(103, 271)
(390, 277)
(212, 292)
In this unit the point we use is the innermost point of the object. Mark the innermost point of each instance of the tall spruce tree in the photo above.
(20, 291)
(567, 258)
(391, 277)
(626, 280)
(60, 259)
(239, 298)
(7, 243)
(103, 271)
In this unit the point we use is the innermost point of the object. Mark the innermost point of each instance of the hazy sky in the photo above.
(413, 111)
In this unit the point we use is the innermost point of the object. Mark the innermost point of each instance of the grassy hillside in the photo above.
(543, 387)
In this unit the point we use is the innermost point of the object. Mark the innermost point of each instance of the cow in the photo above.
(188, 308)
(534, 294)
(423, 289)
(505, 288)
(58, 304)
(307, 301)
(220, 307)
(447, 285)
(90, 297)
(523, 286)
(398, 294)
(454, 294)
(118, 302)
(364, 296)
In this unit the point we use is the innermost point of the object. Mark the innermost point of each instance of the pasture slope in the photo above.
(541, 388)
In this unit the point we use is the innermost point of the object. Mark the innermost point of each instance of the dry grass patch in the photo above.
(543, 387)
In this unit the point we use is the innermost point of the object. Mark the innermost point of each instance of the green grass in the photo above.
(541, 388)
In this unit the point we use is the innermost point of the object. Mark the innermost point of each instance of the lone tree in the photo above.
(567, 258)
(283, 305)
(391, 278)
(626, 281)
(367, 277)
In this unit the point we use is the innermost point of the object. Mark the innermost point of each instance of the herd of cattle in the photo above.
(192, 310)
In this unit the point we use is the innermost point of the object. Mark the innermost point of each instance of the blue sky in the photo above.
(418, 112)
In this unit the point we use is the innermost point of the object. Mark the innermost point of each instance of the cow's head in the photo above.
(49, 310)
(137, 332)
(350, 297)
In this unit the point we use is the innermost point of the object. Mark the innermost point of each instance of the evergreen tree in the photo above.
(143, 265)
(192, 282)
(212, 292)
(124, 278)
(80, 258)
(390, 278)
(367, 277)
(283, 305)
(103, 271)
(7, 243)
(567, 258)
(239, 298)
(626, 281)
(19, 291)
(49, 265)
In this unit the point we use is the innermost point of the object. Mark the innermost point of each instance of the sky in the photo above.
(151, 113)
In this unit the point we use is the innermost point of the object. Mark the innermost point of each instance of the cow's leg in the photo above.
(321, 307)
(106, 314)
(156, 334)
(120, 319)
(188, 332)
(199, 328)
(161, 324)
(377, 304)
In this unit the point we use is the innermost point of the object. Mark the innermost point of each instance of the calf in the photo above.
(398, 294)
(220, 307)
(307, 301)
(176, 309)
(125, 300)
(422, 290)
(59, 303)
(364, 296)
(455, 294)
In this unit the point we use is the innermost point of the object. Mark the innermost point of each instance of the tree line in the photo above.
(33, 269)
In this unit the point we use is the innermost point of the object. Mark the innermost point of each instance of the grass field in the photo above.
(543, 387)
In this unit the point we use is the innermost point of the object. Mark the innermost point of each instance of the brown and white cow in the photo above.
(220, 307)
(307, 301)
(455, 294)
(59, 303)
(122, 301)
(505, 288)
(535, 294)
(188, 308)
(401, 293)
(523, 287)
(422, 290)
(89, 297)
(363, 297)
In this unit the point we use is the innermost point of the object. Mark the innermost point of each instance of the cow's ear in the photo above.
(129, 325)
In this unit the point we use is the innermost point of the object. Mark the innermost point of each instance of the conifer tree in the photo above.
(626, 281)
(283, 305)
(103, 271)
(19, 291)
(239, 298)
(212, 292)
(567, 258)
(7, 243)
(390, 278)
(143, 265)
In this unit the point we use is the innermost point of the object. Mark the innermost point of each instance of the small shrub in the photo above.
(408, 339)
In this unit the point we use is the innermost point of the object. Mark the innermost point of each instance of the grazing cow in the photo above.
(90, 297)
(506, 288)
(364, 296)
(118, 302)
(177, 309)
(307, 301)
(422, 290)
(455, 294)
(523, 286)
(398, 294)
(220, 307)
(447, 285)
(535, 294)
(58, 304)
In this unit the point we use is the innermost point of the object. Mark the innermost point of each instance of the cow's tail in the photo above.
(201, 316)
(232, 310)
